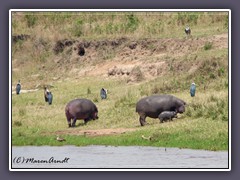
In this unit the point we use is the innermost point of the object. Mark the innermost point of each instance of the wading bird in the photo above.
(193, 89)
(48, 96)
(188, 30)
(60, 139)
(18, 87)
(103, 93)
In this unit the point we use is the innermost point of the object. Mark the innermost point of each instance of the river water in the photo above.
(115, 157)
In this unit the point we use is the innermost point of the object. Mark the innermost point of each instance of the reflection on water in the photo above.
(115, 157)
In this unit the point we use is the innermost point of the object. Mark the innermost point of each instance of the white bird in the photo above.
(60, 139)
(188, 30)
(147, 138)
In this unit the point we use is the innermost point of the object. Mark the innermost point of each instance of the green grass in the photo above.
(204, 125)
(89, 25)
(195, 134)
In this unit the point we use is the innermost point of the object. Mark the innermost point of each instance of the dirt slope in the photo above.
(118, 57)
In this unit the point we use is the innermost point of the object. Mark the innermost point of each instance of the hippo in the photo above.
(167, 115)
(152, 106)
(80, 109)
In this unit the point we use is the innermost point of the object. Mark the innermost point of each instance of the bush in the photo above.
(136, 74)
(95, 99)
(215, 109)
(89, 91)
(22, 112)
(132, 23)
(186, 17)
(31, 20)
(208, 46)
(17, 123)
(78, 28)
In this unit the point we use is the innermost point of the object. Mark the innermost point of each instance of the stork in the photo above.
(48, 96)
(193, 89)
(188, 30)
(18, 87)
(103, 93)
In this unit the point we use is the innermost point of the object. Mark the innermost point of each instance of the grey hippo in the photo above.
(80, 109)
(153, 106)
(167, 115)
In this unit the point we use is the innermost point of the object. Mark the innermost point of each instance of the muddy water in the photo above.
(115, 157)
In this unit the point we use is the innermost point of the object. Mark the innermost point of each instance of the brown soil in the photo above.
(151, 55)
(95, 132)
(117, 58)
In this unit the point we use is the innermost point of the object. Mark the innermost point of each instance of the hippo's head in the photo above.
(180, 109)
(95, 116)
(174, 114)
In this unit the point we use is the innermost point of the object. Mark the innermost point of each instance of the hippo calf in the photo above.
(80, 109)
(153, 106)
(167, 115)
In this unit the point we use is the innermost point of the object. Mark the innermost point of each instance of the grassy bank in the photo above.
(203, 126)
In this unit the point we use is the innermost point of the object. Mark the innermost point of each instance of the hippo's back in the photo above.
(153, 105)
(152, 101)
(80, 106)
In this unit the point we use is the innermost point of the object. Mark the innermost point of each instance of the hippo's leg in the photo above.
(69, 122)
(86, 120)
(74, 122)
(142, 119)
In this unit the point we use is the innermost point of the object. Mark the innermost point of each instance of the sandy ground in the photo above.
(95, 132)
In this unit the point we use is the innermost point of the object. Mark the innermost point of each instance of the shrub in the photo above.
(22, 112)
(132, 23)
(136, 74)
(208, 46)
(186, 17)
(221, 71)
(78, 28)
(89, 91)
(17, 123)
(95, 99)
(31, 20)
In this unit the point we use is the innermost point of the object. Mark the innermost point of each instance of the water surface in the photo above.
(115, 157)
